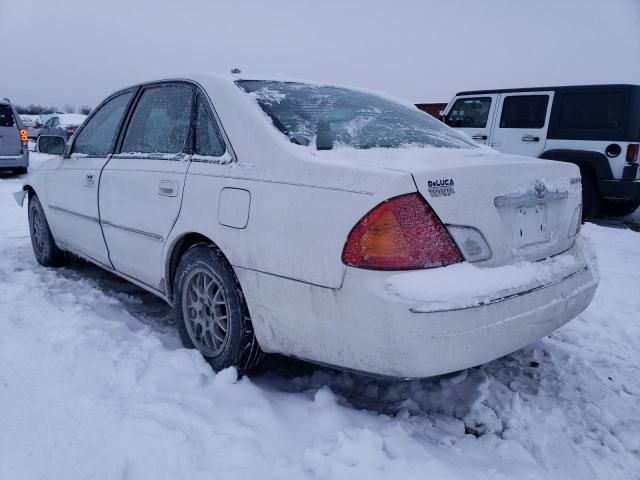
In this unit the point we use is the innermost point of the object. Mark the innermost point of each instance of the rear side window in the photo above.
(469, 113)
(6, 117)
(97, 135)
(208, 139)
(524, 111)
(592, 111)
(160, 122)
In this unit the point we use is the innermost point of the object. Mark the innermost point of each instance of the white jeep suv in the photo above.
(596, 127)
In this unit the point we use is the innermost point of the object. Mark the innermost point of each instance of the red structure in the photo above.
(432, 109)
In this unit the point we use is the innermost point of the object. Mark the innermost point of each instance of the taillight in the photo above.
(70, 131)
(402, 233)
(24, 138)
(632, 152)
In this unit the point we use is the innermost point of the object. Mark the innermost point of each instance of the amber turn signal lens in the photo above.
(403, 233)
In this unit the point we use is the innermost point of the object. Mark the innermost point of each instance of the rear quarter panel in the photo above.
(302, 206)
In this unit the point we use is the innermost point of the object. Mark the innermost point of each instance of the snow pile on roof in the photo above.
(71, 119)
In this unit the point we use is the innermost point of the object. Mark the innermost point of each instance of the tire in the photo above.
(21, 170)
(621, 209)
(45, 249)
(590, 197)
(208, 300)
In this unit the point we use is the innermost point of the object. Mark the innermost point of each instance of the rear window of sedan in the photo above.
(328, 116)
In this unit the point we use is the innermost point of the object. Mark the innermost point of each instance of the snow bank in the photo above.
(94, 384)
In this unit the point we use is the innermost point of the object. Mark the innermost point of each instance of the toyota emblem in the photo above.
(540, 189)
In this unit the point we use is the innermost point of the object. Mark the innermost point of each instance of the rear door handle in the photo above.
(479, 137)
(168, 188)
(530, 138)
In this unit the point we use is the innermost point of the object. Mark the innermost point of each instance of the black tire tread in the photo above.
(53, 256)
(249, 354)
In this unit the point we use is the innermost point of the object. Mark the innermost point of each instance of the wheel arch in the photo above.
(27, 187)
(593, 163)
(175, 252)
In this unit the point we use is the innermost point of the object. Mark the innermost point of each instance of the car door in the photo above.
(522, 123)
(46, 127)
(141, 186)
(72, 187)
(473, 115)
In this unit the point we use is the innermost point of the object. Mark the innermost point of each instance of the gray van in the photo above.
(14, 151)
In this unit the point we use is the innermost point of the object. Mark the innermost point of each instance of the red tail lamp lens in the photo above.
(402, 233)
(632, 152)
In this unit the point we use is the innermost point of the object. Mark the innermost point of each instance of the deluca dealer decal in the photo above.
(441, 188)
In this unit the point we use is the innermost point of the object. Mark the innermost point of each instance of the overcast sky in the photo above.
(78, 51)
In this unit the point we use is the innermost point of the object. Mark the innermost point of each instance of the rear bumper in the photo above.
(17, 161)
(366, 327)
(620, 189)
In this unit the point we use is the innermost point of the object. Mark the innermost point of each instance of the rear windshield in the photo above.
(327, 116)
(592, 111)
(6, 116)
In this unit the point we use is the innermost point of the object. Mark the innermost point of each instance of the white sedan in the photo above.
(325, 223)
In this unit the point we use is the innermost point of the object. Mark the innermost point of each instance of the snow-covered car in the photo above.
(62, 124)
(325, 223)
(32, 124)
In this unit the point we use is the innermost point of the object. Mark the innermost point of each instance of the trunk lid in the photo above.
(525, 208)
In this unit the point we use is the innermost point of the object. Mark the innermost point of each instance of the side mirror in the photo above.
(51, 144)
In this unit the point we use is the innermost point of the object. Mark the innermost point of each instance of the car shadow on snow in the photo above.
(457, 403)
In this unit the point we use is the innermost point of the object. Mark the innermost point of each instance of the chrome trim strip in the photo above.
(529, 198)
(71, 212)
(153, 236)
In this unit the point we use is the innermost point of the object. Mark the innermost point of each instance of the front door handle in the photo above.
(530, 138)
(168, 188)
(479, 137)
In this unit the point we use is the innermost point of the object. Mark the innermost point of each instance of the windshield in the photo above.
(329, 116)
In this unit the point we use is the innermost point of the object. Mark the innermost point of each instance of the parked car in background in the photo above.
(596, 127)
(32, 124)
(62, 124)
(14, 151)
(316, 221)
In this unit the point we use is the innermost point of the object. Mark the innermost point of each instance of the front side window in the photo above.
(208, 139)
(524, 111)
(330, 116)
(6, 116)
(160, 122)
(591, 111)
(469, 112)
(96, 137)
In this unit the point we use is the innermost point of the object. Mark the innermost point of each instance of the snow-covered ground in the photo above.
(94, 385)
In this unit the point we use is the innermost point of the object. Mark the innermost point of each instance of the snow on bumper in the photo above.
(425, 323)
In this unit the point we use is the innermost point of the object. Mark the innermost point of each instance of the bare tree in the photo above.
(69, 108)
(85, 109)
(33, 109)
